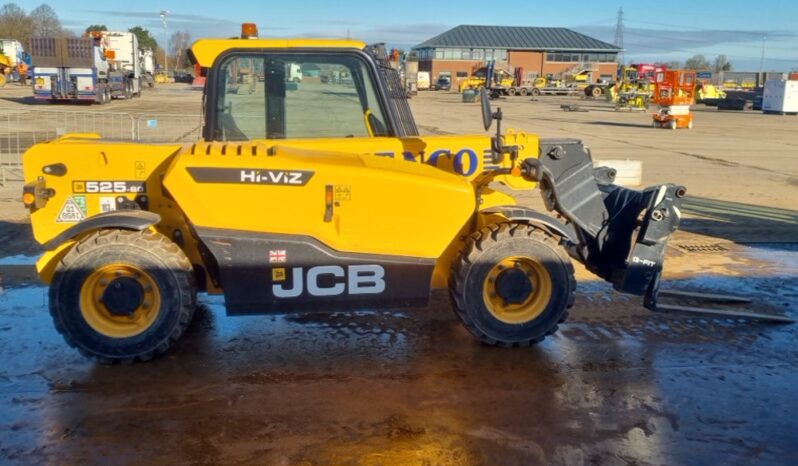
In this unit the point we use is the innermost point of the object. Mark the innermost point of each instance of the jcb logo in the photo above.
(331, 280)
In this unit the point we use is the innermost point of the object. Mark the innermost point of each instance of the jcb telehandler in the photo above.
(319, 196)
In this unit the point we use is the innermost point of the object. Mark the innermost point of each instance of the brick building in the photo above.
(538, 51)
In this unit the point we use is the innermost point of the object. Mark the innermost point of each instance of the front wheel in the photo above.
(512, 285)
(123, 296)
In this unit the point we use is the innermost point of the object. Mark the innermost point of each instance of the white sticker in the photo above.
(72, 212)
(107, 204)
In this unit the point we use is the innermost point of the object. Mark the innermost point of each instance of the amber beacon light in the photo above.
(249, 31)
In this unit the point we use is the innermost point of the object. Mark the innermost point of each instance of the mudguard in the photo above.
(122, 219)
(533, 217)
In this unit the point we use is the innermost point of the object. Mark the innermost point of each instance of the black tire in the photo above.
(158, 259)
(523, 92)
(511, 91)
(535, 91)
(482, 254)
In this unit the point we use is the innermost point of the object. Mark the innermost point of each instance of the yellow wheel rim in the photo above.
(530, 303)
(100, 318)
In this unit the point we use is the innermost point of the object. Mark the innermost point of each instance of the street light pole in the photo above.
(164, 14)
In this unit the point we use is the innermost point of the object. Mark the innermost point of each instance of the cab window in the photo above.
(278, 96)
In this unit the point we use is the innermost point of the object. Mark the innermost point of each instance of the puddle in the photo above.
(19, 260)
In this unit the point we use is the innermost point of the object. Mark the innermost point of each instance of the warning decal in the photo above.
(74, 210)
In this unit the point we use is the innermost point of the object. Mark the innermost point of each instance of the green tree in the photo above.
(145, 38)
(697, 62)
(674, 65)
(96, 28)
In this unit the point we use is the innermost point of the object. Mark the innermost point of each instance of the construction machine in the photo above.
(674, 93)
(12, 57)
(632, 88)
(5, 69)
(708, 93)
(477, 78)
(326, 198)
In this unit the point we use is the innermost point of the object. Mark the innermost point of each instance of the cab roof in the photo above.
(206, 51)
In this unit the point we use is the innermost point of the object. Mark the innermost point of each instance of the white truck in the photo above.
(148, 67)
(124, 58)
(97, 69)
(293, 73)
(69, 69)
(13, 50)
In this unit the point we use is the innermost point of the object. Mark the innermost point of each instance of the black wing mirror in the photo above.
(487, 113)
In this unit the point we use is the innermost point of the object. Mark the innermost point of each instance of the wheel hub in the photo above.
(513, 286)
(120, 300)
(123, 296)
(517, 289)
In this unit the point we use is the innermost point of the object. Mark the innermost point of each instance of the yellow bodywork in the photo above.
(206, 51)
(410, 197)
(386, 189)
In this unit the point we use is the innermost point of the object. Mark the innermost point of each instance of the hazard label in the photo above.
(74, 210)
(343, 192)
(141, 169)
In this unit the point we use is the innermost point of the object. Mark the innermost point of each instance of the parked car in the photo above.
(183, 77)
(444, 83)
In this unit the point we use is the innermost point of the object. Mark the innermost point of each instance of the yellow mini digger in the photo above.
(321, 195)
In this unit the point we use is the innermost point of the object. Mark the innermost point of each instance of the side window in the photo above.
(241, 100)
(277, 96)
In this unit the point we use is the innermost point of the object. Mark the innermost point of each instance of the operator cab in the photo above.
(261, 89)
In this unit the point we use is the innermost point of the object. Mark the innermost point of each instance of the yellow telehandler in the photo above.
(322, 196)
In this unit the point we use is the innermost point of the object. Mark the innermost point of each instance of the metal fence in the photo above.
(19, 131)
(168, 128)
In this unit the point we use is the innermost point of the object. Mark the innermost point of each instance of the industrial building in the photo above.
(539, 51)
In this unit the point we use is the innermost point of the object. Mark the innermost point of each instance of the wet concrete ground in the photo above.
(617, 385)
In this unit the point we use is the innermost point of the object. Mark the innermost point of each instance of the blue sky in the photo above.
(655, 31)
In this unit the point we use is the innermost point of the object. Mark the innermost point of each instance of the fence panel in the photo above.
(168, 128)
(19, 131)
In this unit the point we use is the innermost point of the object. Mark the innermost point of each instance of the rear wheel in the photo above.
(512, 285)
(523, 91)
(596, 92)
(535, 91)
(511, 91)
(123, 296)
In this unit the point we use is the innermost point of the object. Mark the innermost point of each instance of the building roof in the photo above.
(517, 38)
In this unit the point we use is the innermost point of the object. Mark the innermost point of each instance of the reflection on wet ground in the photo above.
(617, 385)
